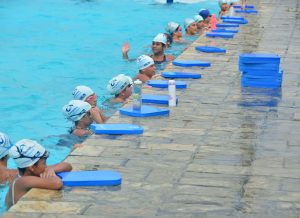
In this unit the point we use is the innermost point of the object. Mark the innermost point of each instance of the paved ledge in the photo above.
(212, 157)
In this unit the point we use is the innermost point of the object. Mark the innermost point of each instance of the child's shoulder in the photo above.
(7, 175)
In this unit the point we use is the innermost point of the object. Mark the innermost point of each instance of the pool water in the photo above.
(49, 47)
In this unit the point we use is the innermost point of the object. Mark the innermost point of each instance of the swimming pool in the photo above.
(49, 47)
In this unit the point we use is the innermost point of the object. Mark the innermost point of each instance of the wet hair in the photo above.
(4, 157)
(23, 170)
(169, 38)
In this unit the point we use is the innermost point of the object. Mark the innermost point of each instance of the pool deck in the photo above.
(223, 152)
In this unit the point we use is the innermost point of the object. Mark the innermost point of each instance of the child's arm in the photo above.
(56, 168)
(60, 167)
(26, 183)
(125, 48)
(95, 115)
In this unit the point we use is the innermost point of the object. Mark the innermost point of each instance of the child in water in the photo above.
(30, 158)
(6, 175)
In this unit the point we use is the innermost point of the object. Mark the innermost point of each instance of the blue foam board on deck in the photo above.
(191, 63)
(254, 77)
(235, 21)
(117, 129)
(248, 11)
(225, 30)
(165, 84)
(246, 6)
(156, 99)
(260, 84)
(146, 111)
(263, 73)
(221, 35)
(227, 25)
(259, 81)
(259, 58)
(91, 178)
(259, 66)
(233, 17)
(185, 75)
(210, 49)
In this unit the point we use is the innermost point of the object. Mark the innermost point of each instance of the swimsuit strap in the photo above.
(13, 189)
(165, 58)
(160, 62)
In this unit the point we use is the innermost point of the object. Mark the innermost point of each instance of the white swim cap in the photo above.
(144, 61)
(171, 27)
(82, 92)
(5, 145)
(27, 152)
(187, 22)
(232, 1)
(221, 2)
(76, 109)
(160, 38)
(117, 84)
(198, 18)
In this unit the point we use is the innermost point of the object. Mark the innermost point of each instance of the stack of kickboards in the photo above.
(260, 70)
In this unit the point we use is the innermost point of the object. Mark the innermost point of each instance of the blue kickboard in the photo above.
(259, 58)
(227, 25)
(190, 63)
(260, 84)
(266, 78)
(225, 30)
(233, 17)
(248, 11)
(263, 73)
(186, 75)
(156, 99)
(165, 84)
(117, 129)
(259, 66)
(90, 178)
(235, 21)
(246, 6)
(221, 35)
(146, 111)
(210, 49)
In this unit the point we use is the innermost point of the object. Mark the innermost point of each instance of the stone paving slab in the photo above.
(213, 156)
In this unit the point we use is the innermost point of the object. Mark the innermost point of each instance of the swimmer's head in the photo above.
(171, 27)
(232, 2)
(75, 110)
(160, 38)
(82, 92)
(204, 13)
(188, 22)
(117, 84)
(198, 18)
(5, 145)
(144, 61)
(27, 152)
(221, 2)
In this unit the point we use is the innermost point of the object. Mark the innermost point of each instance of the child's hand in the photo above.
(125, 48)
(156, 76)
(47, 173)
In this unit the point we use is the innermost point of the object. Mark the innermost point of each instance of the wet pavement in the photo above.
(225, 151)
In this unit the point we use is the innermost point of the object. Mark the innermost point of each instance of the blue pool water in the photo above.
(48, 47)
